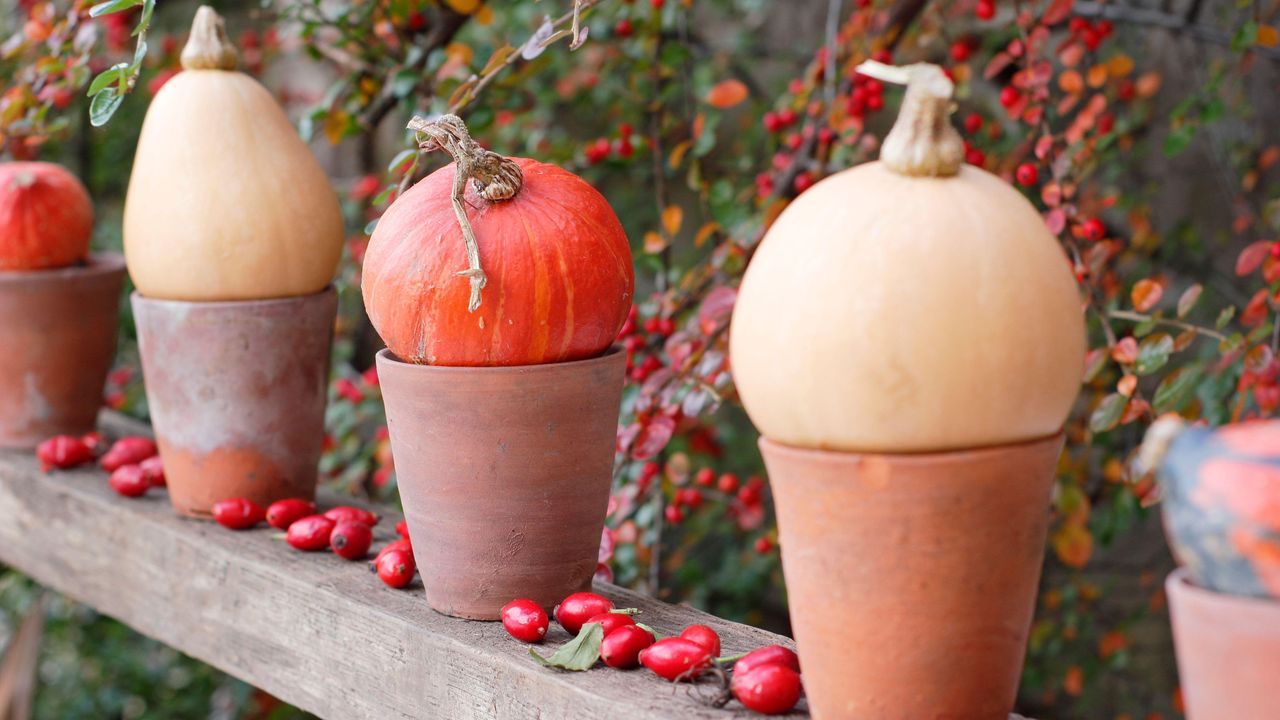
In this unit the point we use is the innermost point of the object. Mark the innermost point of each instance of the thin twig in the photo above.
(1170, 322)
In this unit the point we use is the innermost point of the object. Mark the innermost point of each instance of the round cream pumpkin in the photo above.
(226, 202)
(911, 304)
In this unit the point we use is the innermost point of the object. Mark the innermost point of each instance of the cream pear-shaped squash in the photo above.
(226, 202)
(912, 304)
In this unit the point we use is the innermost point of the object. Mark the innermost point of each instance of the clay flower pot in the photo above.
(1228, 651)
(912, 577)
(1221, 504)
(237, 393)
(504, 474)
(58, 338)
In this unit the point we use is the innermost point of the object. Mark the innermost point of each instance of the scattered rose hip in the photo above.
(611, 621)
(310, 533)
(127, 451)
(621, 648)
(153, 468)
(704, 636)
(283, 513)
(402, 529)
(238, 513)
(676, 658)
(574, 611)
(62, 452)
(395, 567)
(129, 481)
(768, 655)
(354, 514)
(401, 545)
(525, 620)
(350, 540)
(767, 689)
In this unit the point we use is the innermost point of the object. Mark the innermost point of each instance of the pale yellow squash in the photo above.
(911, 304)
(226, 202)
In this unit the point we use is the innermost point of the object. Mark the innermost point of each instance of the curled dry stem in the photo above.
(495, 178)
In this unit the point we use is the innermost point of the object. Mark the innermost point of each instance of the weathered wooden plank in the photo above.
(312, 629)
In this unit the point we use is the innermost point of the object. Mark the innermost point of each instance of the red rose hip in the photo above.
(767, 655)
(153, 468)
(611, 621)
(355, 514)
(310, 533)
(621, 648)
(395, 568)
(675, 658)
(128, 451)
(62, 452)
(704, 636)
(525, 620)
(283, 513)
(129, 481)
(238, 513)
(574, 611)
(351, 540)
(767, 689)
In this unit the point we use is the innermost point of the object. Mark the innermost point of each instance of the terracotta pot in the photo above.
(504, 474)
(1221, 505)
(1228, 651)
(912, 578)
(237, 393)
(57, 342)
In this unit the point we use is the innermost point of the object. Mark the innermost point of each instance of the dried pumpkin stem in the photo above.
(923, 142)
(495, 177)
(208, 47)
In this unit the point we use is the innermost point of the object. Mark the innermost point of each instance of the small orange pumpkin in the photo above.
(46, 217)
(557, 278)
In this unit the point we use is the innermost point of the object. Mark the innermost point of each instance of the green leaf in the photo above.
(369, 228)
(1153, 354)
(1108, 412)
(144, 22)
(112, 6)
(1245, 37)
(651, 631)
(104, 105)
(401, 158)
(1225, 316)
(1174, 391)
(1178, 139)
(107, 77)
(579, 653)
(139, 54)
(386, 193)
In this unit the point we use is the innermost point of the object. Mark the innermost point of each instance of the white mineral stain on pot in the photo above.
(37, 406)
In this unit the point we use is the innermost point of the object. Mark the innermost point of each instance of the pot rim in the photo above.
(778, 448)
(99, 264)
(1179, 583)
(329, 289)
(610, 355)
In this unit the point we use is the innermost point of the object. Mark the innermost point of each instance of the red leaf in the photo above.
(1056, 219)
(1252, 256)
(715, 308)
(1057, 11)
(1125, 351)
(998, 63)
(653, 437)
(1146, 293)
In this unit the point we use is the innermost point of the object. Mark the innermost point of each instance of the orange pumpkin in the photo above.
(557, 274)
(46, 217)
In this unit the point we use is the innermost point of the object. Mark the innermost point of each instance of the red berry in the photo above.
(351, 540)
(1126, 91)
(769, 689)
(354, 514)
(395, 567)
(94, 441)
(525, 620)
(803, 181)
(666, 326)
(62, 452)
(621, 648)
(1026, 174)
(1077, 24)
(960, 51)
(875, 103)
(985, 10)
(1009, 95)
(787, 117)
(129, 481)
(657, 4)
(689, 497)
(728, 483)
(772, 123)
(750, 493)
(675, 658)
(826, 136)
(974, 156)
(402, 529)
(972, 123)
(624, 131)
(706, 477)
(763, 545)
(310, 533)
(674, 514)
(153, 468)
(767, 655)
(1104, 28)
(1275, 249)
(283, 513)
(128, 451)
(611, 621)
(873, 87)
(883, 55)
(704, 636)
(623, 28)
(1106, 122)
(1093, 229)
(401, 545)
(625, 148)
(574, 611)
(239, 514)
(792, 141)
(1091, 38)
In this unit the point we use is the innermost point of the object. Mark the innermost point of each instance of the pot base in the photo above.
(1228, 650)
(930, 563)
